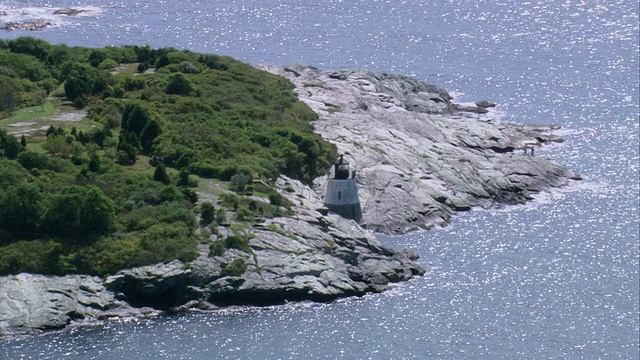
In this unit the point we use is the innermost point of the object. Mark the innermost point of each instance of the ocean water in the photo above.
(554, 279)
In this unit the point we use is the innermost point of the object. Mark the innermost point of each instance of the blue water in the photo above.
(555, 279)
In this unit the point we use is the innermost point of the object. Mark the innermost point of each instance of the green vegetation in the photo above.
(115, 189)
(236, 268)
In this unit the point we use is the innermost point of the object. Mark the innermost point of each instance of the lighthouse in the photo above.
(342, 192)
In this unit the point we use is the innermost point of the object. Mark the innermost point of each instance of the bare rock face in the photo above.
(311, 257)
(420, 157)
(32, 303)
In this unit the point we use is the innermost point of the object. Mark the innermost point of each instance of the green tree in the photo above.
(239, 182)
(37, 48)
(127, 153)
(135, 117)
(160, 174)
(63, 146)
(150, 132)
(30, 160)
(8, 95)
(83, 80)
(80, 213)
(20, 210)
(207, 214)
(9, 145)
(94, 163)
(179, 85)
(183, 178)
(96, 56)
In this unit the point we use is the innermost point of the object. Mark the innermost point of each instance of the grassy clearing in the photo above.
(141, 165)
(33, 121)
(31, 114)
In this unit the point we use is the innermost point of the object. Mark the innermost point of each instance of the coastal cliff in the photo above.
(419, 158)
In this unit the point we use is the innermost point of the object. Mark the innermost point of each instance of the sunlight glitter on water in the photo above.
(557, 278)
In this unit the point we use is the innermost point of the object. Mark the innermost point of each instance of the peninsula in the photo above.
(195, 226)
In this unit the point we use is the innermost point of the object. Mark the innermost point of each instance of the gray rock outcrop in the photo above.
(31, 303)
(24, 22)
(419, 157)
(35, 24)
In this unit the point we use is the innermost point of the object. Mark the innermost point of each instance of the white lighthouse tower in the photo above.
(342, 192)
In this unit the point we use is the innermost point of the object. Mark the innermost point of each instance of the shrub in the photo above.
(161, 242)
(240, 242)
(108, 64)
(276, 199)
(236, 268)
(179, 85)
(217, 248)
(146, 216)
(38, 256)
(207, 213)
(142, 67)
(263, 209)
(244, 214)
(188, 68)
(239, 182)
(229, 201)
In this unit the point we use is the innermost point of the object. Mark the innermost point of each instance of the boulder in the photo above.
(68, 12)
(36, 24)
(161, 286)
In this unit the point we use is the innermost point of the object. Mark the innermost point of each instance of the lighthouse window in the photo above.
(339, 195)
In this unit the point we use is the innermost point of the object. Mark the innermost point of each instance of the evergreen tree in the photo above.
(183, 178)
(150, 132)
(9, 145)
(207, 214)
(160, 174)
(127, 153)
(135, 117)
(94, 163)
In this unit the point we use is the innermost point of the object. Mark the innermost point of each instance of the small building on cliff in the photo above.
(342, 192)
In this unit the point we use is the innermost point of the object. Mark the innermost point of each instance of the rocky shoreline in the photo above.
(421, 157)
(36, 23)
(419, 161)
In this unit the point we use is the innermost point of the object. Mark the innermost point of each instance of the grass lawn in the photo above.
(34, 113)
